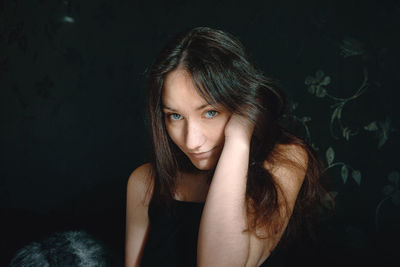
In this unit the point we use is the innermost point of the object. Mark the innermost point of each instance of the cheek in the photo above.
(174, 133)
(218, 130)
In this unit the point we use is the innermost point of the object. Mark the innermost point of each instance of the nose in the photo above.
(195, 137)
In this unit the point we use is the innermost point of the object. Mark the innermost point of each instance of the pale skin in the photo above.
(223, 141)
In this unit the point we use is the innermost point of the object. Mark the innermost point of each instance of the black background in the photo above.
(73, 117)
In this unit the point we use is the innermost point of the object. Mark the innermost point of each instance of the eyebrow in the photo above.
(198, 108)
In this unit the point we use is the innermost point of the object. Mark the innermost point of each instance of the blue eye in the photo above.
(174, 116)
(211, 114)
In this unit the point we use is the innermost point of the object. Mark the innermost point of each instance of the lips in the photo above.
(201, 155)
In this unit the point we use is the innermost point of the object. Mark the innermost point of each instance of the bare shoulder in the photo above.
(288, 170)
(287, 166)
(139, 191)
(290, 161)
(140, 183)
(288, 154)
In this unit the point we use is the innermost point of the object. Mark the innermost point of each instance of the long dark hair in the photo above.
(224, 74)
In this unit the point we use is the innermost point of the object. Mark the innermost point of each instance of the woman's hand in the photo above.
(239, 128)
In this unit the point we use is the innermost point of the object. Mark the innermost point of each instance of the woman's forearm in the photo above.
(222, 241)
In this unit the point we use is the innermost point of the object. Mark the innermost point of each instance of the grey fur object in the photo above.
(72, 248)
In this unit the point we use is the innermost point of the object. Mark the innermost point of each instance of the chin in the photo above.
(205, 165)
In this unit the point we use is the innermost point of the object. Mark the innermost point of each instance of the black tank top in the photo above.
(172, 239)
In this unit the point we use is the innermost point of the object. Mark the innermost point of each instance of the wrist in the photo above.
(236, 141)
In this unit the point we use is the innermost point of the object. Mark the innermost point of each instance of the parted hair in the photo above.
(223, 74)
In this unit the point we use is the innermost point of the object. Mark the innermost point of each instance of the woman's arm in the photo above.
(137, 222)
(222, 241)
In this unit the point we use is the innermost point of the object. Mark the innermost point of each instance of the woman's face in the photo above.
(196, 127)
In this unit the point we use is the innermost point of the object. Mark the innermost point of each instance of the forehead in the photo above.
(180, 92)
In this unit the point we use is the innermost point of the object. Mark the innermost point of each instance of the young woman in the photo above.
(226, 182)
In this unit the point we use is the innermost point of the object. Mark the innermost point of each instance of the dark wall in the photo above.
(73, 118)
